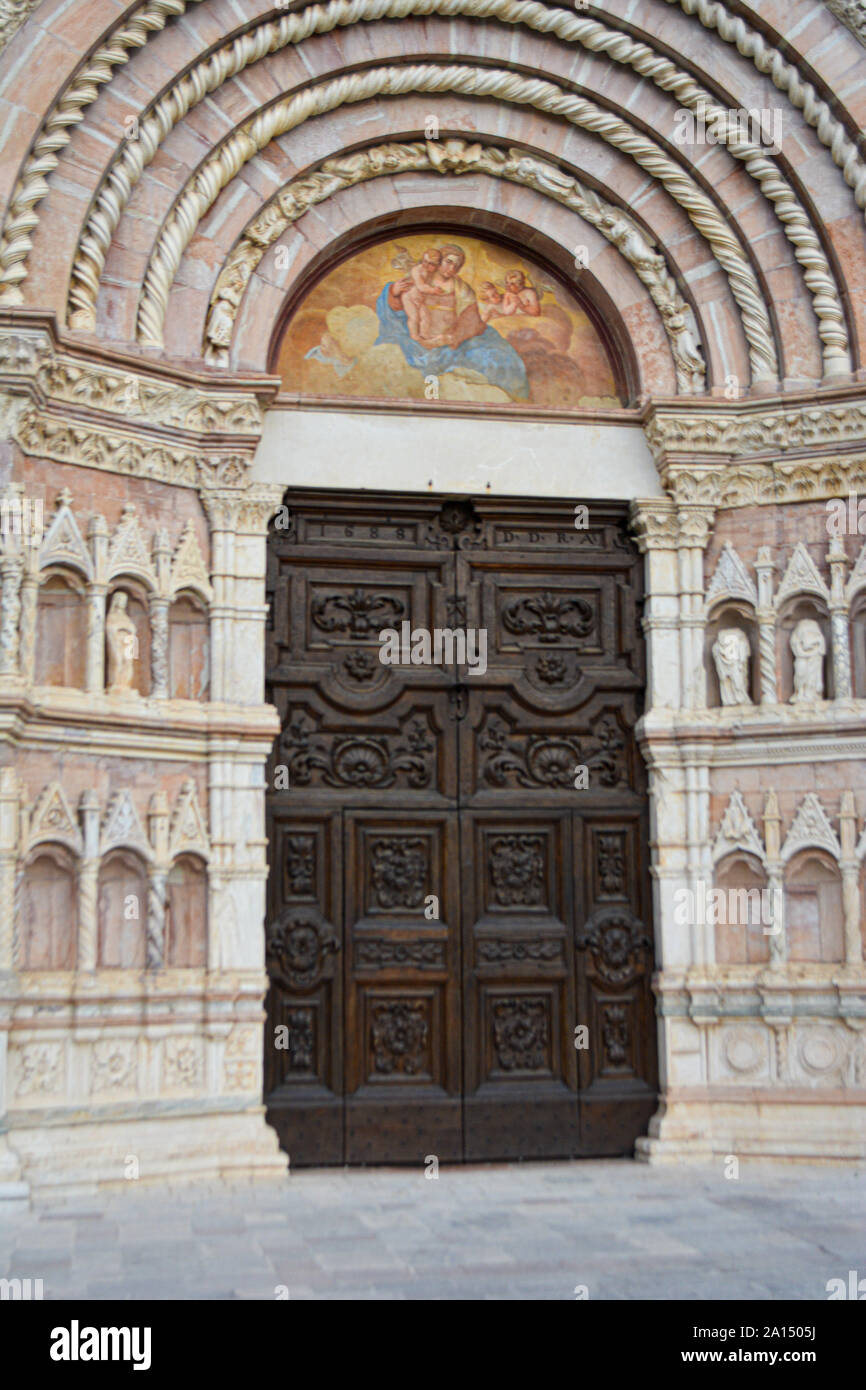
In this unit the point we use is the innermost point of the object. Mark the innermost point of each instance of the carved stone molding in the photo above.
(852, 13)
(246, 513)
(661, 525)
(50, 819)
(731, 430)
(243, 143)
(70, 441)
(29, 354)
(455, 157)
(132, 395)
(14, 13)
(121, 827)
(765, 484)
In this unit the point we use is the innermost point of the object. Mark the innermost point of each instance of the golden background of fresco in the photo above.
(565, 359)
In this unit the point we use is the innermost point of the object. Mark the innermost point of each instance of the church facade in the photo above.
(432, 584)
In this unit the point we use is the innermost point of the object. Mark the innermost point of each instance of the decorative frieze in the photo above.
(135, 396)
(72, 441)
(736, 430)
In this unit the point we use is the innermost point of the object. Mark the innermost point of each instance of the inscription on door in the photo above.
(458, 890)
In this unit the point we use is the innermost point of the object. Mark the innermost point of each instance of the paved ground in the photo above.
(525, 1231)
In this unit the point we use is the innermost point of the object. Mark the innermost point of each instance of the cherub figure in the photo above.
(520, 296)
(422, 280)
(489, 300)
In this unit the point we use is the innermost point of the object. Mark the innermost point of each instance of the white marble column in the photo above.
(656, 528)
(694, 526)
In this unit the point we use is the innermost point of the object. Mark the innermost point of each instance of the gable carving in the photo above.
(801, 577)
(188, 834)
(737, 831)
(731, 579)
(63, 543)
(811, 829)
(52, 819)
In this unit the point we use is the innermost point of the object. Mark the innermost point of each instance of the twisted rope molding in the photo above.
(83, 88)
(786, 77)
(455, 156)
(247, 140)
(117, 185)
(15, 243)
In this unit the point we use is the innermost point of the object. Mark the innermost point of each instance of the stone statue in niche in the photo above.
(731, 655)
(809, 648)
(122, 646)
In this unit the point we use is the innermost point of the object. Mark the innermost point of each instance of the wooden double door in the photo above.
(458, 934)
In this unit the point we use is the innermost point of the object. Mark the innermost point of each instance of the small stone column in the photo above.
(850, 867)
(88, 882)
(159, 605)
(10, 612)
(158, 647)
(775, 879)
(157, 881)
(29, 602)
(766, 615)
(695, 524)
(10, 796)
(94, 679)
(839, 621)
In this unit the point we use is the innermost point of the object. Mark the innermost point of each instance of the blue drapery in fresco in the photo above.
(489, 353)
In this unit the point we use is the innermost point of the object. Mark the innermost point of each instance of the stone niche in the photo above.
(814, 914)
(61, 631)
(723, 616)
(792, 612)
(743, 941)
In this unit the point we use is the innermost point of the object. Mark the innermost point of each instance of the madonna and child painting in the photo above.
(428, 317)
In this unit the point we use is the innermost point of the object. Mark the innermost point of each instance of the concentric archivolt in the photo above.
(21, 217)
(133, 31)
(244, 143)
(267, 38)
(453, 157)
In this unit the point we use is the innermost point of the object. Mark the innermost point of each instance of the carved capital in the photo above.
(655, 525)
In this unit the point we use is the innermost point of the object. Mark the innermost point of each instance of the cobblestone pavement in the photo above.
(504, 1231)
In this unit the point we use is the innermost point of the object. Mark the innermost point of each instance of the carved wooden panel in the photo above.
(402, 1022)
(448, 841)
(303, 1061)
